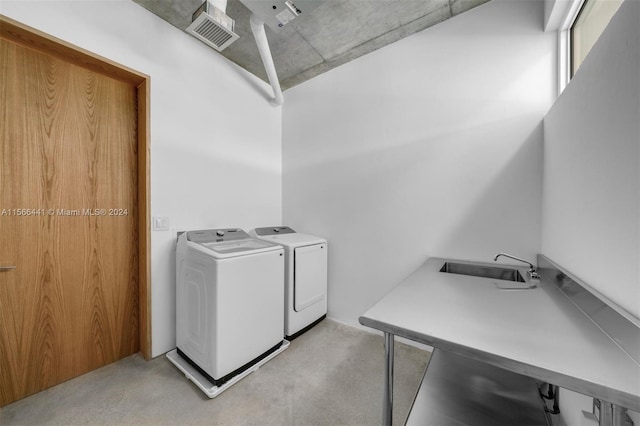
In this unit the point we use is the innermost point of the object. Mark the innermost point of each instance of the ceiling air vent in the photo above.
(212, 26)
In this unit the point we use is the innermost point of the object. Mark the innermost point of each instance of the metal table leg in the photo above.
(387, 407)
(612, 414)
(619, 415)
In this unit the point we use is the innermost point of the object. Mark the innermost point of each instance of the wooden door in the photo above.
(68, 220)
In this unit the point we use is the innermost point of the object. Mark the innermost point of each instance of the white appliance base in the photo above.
(204, 384)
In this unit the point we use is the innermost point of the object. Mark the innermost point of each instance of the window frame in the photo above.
(579, 12)
(565, 61)
(568, 18)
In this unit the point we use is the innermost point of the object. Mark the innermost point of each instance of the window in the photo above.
(592, 19)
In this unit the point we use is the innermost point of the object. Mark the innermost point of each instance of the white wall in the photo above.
(591, 195)
(591, 214)
(215, 140)
(431, 146)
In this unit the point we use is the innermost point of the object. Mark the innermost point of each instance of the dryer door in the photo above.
(310, 275)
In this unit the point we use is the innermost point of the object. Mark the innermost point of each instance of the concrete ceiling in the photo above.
(331, 34)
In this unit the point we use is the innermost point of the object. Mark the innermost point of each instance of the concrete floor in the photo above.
(332, 375)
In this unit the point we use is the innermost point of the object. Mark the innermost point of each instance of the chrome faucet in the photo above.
(533, 274)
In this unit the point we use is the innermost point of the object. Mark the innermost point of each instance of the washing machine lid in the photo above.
(228, 242)
(234, 248)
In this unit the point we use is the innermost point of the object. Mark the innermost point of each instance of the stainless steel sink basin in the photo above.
(495, 272)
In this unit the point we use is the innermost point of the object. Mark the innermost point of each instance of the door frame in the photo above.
(34, 39)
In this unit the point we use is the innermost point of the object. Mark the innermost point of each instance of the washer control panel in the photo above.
(217, 235)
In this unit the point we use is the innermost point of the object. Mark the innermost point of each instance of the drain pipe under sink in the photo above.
(257, 28)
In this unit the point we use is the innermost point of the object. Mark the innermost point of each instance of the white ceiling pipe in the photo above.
(257, 28)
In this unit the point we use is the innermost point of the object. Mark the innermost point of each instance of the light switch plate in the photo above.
(161, 223)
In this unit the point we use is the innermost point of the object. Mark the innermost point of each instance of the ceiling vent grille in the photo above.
(213, 27)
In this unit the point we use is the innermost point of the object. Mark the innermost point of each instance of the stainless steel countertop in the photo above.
(537, 332)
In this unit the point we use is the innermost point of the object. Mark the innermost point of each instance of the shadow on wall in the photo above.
(464, 195)
(511, 202)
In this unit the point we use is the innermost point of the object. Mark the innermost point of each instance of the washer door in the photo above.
(310, 275)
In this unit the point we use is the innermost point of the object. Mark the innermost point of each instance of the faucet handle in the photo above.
(533, 274)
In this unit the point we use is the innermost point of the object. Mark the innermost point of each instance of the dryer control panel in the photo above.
(274, 230)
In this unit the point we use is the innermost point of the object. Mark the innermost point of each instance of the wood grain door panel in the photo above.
(68, 204)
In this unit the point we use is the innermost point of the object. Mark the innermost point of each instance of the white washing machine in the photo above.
(305, 277)
(229, 302)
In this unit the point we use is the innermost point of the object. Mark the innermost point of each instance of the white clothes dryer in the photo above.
(305, 277)
(229, 302)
